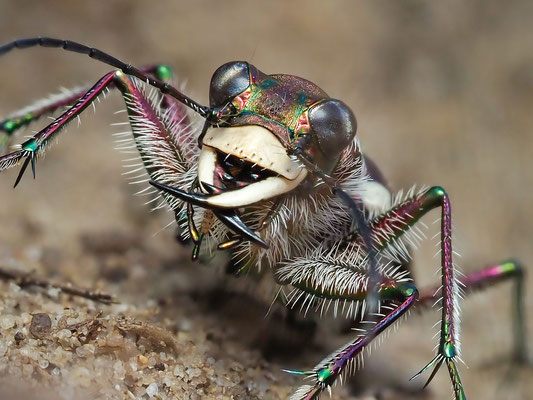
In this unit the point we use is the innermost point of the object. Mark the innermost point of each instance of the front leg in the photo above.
(400, 297)
(19, 119)
(36, 145)
(160, 130)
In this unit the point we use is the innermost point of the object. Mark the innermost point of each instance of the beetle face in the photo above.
(257, 121)
(264, 117)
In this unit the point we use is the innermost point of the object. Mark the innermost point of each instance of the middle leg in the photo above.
(399, 297)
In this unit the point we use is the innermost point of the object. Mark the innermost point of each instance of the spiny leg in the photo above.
(34, 146)
(387, 231)
(335, 364)
(24, 117)
(388, 228)
(339, 276)
(162, 133)
(479, 280)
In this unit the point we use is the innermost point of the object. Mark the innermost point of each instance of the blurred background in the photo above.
(443, 93)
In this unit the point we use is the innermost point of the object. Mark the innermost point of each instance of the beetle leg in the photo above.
(24, 117)
(504, 271)
(387, 229)
(34, 146)
(356, 210)
(334, 365)
(337, 275)
(160, 131)
(409, 212)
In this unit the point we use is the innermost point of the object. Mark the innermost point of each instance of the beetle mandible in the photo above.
(276, 177)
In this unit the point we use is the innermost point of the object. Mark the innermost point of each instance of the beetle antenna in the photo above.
(357, 215)
(68, 45)
(359, 218)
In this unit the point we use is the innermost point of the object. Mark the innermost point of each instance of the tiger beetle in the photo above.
(276, 178)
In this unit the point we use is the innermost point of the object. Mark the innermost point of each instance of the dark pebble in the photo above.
(19, 337)
(159, 366)
(40, 326)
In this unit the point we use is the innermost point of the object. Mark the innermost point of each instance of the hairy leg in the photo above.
(24, 117)
(343, 275)
(139, 107)
(481, 279)
(345, 359)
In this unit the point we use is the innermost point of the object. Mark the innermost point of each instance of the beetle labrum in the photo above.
(276, 177)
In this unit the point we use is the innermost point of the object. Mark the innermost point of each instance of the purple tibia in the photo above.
(387, 228)
(354, 348)
(397, 221)
(44, 135)
(31, 147)
(332, 367)
(489, 276)
(449, 293)
(17, 121)
(143, 110)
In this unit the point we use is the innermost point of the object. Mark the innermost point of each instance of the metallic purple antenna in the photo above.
(108, 59)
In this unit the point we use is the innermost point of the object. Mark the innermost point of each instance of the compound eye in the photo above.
(333, 124)
(228, 81)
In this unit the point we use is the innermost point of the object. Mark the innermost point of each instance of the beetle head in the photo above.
(295, 110)
(257, 122)
(261, 119)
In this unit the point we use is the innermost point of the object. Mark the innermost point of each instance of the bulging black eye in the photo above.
(228, 81)
(334, 126)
